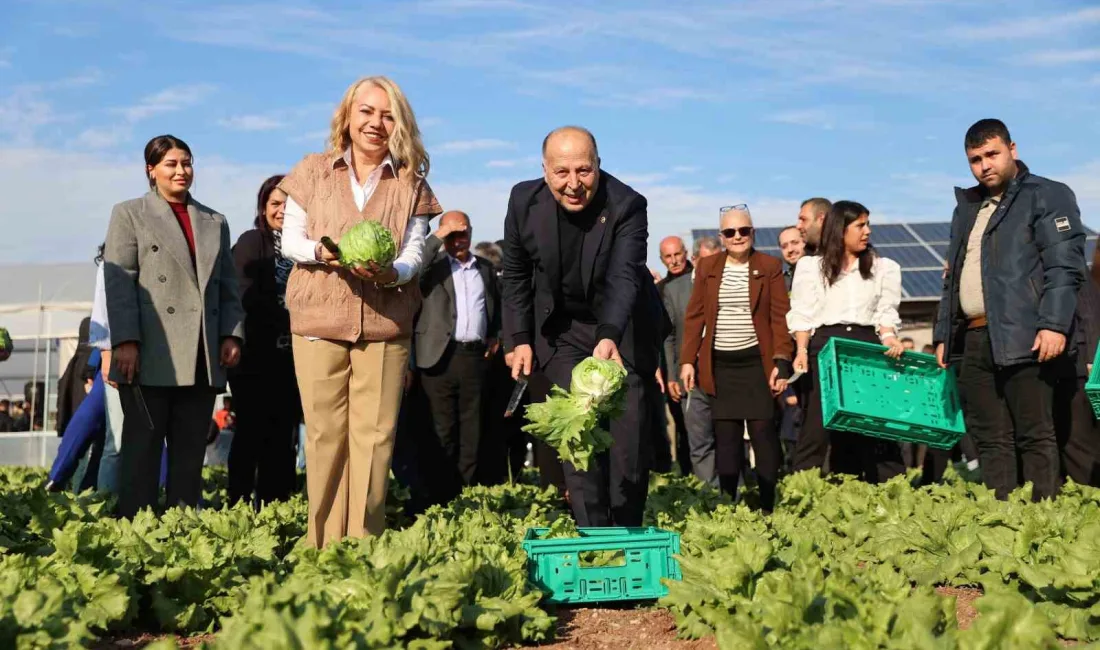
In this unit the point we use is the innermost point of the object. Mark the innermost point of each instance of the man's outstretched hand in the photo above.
(607, 350)
(522, 358)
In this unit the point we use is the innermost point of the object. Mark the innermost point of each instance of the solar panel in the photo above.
(1090, 250)
(922, 284)
(910, 256)
(941, 249)
(768, 236)
(933, 232)
(891, 233)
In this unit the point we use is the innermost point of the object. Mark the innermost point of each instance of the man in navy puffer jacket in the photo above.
(1015, 264)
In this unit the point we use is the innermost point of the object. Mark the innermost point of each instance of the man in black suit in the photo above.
(576, 285)
(455, 336)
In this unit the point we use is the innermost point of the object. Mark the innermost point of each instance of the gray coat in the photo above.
(676, 295)
(435, 323)
(157, 298)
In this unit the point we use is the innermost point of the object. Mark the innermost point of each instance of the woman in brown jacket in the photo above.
(735, 332)
(351, 326)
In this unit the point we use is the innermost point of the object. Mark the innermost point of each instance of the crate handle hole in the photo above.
(601, 559)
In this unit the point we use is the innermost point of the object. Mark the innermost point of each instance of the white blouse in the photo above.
(299, 248)
(850, 301)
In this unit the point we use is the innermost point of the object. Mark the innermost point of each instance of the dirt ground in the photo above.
(614, 628)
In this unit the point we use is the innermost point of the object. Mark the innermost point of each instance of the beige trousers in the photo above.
(351, 395)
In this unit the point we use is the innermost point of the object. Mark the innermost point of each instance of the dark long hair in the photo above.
(842, 215)
(158, 147)
(99, 253)
(261, 200)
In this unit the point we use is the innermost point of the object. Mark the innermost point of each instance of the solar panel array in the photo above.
(919, 248)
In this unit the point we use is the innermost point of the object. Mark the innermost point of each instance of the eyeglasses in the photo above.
(744, 231)
(740, 207)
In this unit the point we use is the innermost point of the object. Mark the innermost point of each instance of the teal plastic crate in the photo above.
(1092, 387)
(910, 399)
(555, 565)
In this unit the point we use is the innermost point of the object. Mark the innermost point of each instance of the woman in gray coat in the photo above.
(176, 325)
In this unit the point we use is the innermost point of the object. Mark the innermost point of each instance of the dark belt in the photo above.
(470, 346)
(976, 323)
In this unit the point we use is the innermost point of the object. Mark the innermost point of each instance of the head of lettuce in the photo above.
(569, 421)
(366, 243)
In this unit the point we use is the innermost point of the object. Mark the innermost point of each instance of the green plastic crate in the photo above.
(910, 399)
(554, 565)
(1092, 387)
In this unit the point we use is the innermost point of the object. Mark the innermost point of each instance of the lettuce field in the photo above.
(840, 564)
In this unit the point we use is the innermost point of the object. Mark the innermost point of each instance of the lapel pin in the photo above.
(603, 219)
(756, 271)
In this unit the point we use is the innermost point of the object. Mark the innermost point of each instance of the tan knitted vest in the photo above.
(332, 303)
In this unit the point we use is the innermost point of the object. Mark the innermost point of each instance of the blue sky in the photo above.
(759, 101)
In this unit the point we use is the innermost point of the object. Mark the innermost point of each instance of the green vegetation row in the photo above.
(840, 564)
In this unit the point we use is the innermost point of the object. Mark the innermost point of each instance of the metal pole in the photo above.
(46, 383)
(34, 378)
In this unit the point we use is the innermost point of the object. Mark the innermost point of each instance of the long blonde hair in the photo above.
(406, 147)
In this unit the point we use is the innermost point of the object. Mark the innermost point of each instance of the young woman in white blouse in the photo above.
(846, 291)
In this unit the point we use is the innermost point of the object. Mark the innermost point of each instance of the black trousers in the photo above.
(729, 456)
(872, 459)
(454, 388)
(683, 448)
(262, 456)
(1077, 431)
(937, 460)
(1010, 411)
(503, 443)
(153, 415)
(613, 490)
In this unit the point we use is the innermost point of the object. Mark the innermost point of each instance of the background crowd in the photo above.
(409, 367)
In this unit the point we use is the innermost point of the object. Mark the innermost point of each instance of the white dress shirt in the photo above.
(299, 248)
(850, 301)
(99, 332)
(471, 317)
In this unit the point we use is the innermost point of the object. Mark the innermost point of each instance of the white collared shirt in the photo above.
(299, 248)
(471, 317)
(850, 301)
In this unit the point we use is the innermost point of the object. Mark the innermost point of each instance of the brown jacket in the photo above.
(332, 303)
(768, 295)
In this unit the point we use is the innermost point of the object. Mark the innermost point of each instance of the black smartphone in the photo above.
(330, 246)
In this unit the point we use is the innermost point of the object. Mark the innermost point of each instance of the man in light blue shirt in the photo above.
(454, 337)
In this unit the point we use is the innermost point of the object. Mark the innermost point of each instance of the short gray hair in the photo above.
(708, 241)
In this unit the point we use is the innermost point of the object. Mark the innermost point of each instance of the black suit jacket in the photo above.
(613, 269)
(435, 322)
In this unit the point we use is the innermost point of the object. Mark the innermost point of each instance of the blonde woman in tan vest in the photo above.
(351, 328)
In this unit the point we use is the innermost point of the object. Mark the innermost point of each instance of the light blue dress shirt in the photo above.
(471, 316)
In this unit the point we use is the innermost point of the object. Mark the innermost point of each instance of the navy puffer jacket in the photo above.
(1033, 263)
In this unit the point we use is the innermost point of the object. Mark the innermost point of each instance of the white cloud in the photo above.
(251, 123)
(1032, 27)
(103, 137)
(166, 101)
(684, 169)
(642, 179)
(529, 161)
(466, 146)
(72, 223)
(1060, 57)
(313, 138)
(812, 117)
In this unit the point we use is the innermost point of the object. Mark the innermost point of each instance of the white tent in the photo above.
(42, 305)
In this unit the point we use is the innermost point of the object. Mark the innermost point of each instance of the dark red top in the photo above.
(184, 219)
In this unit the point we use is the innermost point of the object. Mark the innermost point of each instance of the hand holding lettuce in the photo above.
(569, 421)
